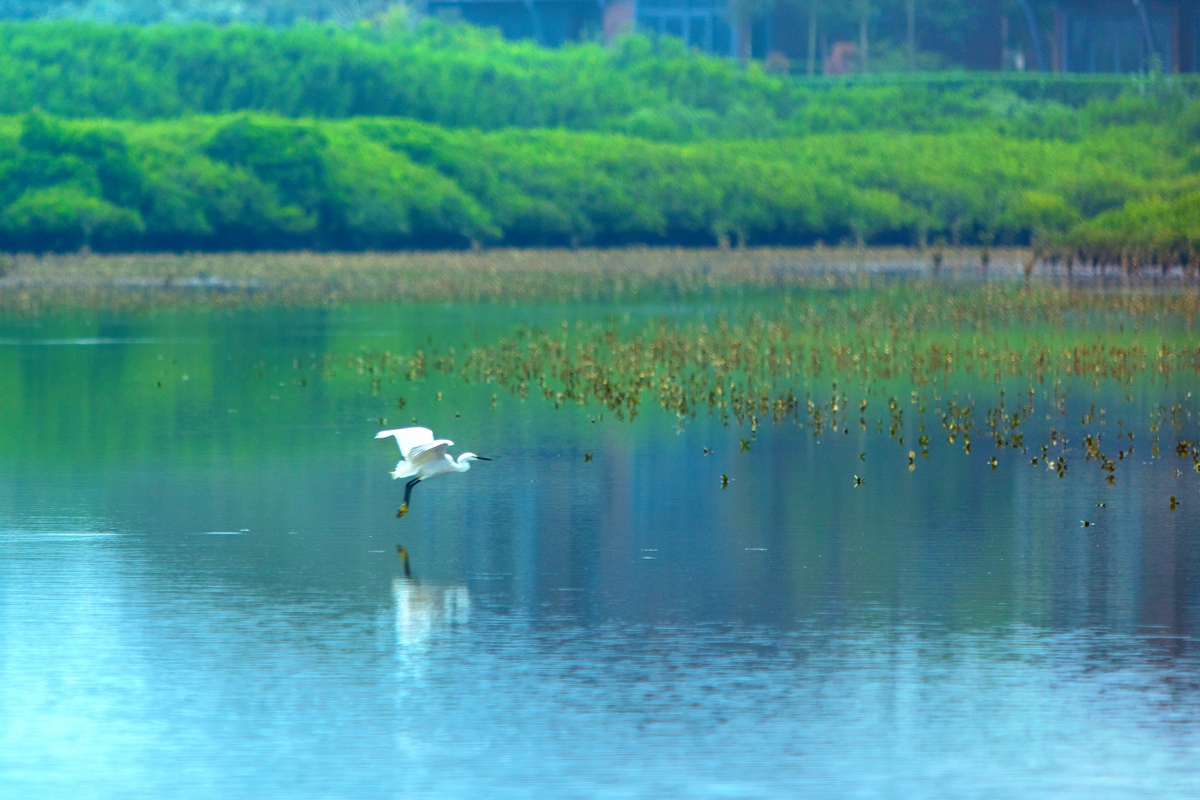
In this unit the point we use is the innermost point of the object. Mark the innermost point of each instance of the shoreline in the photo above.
(30, 283)
(261, 263)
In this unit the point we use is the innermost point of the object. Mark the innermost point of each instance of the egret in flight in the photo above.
(422, 457)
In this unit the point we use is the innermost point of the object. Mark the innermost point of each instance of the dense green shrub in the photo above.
(256, 181)
(458, 76)
(1150, 230)
(66, 218)
(245, 137)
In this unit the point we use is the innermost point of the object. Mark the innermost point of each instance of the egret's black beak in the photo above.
(481, 458)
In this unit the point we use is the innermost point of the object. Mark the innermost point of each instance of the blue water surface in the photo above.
(201, 594)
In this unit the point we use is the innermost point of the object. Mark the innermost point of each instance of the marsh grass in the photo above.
(140, 282)
(934, 349)
(1050, 375)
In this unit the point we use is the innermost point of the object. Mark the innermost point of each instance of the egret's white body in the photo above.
(423, 456)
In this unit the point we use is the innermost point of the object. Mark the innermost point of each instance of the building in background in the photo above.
(548, 22)
(813, 36)
(711, 26)
(706, 25)
(1112, 36)
(1126, 35)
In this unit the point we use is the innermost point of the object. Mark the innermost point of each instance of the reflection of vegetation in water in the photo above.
(992, 365)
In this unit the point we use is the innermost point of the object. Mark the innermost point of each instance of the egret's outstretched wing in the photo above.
(428, 453)
(408, 438)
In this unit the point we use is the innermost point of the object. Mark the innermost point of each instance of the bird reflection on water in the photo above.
(424, 610)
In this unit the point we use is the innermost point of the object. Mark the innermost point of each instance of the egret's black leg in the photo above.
(408, 487)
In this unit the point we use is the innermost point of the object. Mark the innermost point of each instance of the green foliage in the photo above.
(380, 198)
(242, 137)
(255, 181)
(96, 160)
(464, 77)
(1151, 230)
(289, 156)
(65, 218)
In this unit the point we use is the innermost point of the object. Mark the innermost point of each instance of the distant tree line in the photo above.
(889, 35)
(460, 76)
(251, 181)
(196, 136)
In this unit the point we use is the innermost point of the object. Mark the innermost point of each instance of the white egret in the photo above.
(422, 457)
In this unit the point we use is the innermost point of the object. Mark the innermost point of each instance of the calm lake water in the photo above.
(201, 595)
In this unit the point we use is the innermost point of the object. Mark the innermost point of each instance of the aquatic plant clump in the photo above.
(1002, 371)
